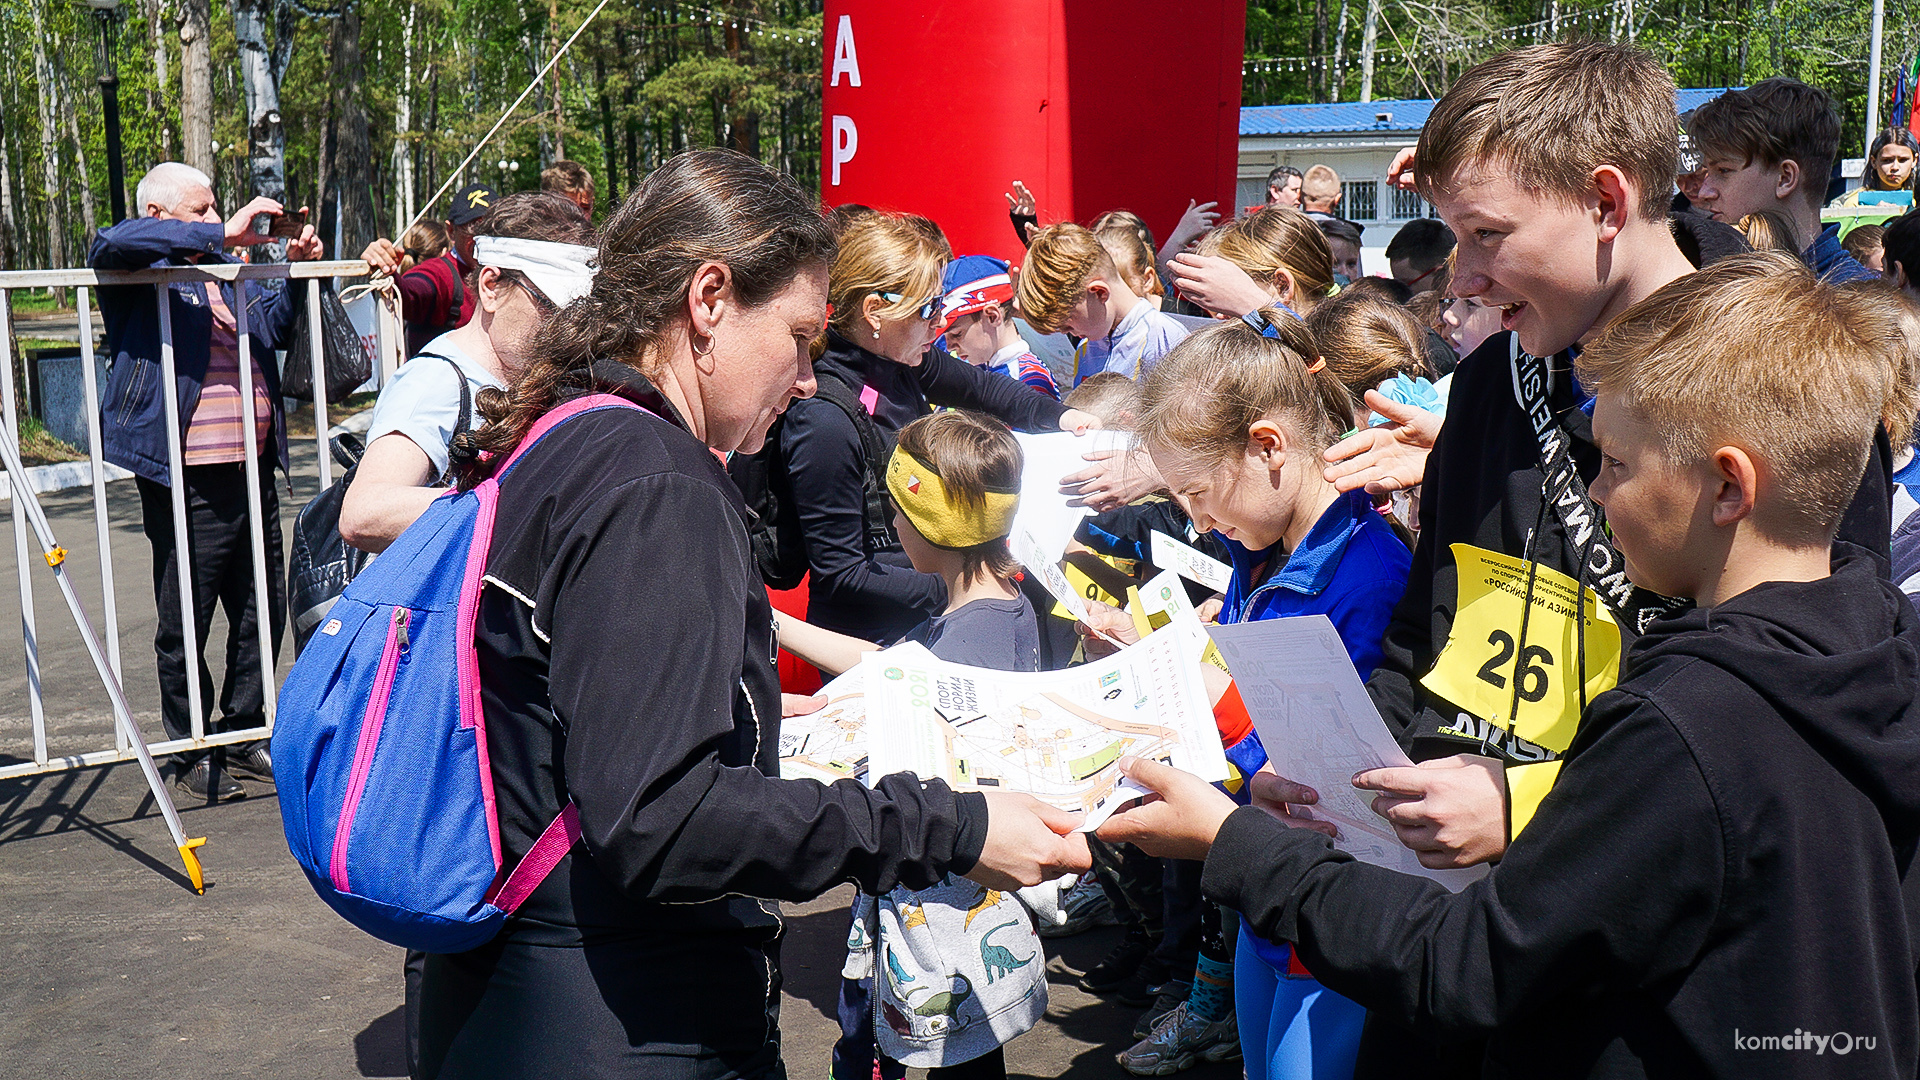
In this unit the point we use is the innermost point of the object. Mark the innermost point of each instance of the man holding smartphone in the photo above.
(180, 224)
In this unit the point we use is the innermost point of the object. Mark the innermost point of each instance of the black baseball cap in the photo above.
(470, 203)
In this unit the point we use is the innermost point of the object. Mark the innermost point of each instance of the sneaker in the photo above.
(1172, 993)
(1181, 1041)
(198, 783)
(254, 763)
(1120, 964)
(1143, 987)
(1085, 906)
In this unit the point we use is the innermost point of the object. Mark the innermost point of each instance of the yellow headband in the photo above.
(922, 496)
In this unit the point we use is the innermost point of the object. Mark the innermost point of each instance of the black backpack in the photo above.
(779, 548)
(321, 563)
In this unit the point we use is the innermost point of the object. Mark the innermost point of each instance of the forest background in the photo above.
(373, 103)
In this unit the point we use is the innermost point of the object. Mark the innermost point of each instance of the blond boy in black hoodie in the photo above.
(1714, 887)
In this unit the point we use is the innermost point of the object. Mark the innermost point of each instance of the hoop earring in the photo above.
(698, 351)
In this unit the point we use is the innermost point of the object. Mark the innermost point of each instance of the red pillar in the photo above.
(935, 107)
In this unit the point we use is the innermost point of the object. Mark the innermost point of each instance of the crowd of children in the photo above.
(1603, 483)
(1702, 852)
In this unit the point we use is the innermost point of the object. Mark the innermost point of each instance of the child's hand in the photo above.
(1287, 801)
(1028, 842)
(1117, 478)
(1020, 200)
(1107, 620)
(1216, 284)
(1400, 173)
(1210, 608)
(1388, 458)
(1079, 422)
(801, 704)
(1198, 218)
(1179, 821)
(1452, 811)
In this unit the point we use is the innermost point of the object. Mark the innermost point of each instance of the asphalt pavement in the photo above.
(115, 968)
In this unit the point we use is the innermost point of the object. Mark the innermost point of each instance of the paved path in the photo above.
(114, 968)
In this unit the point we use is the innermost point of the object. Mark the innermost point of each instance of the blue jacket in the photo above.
(1831, 263)
(1351, 568)
(133, 416)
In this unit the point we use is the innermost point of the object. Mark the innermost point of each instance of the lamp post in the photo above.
(107, 14)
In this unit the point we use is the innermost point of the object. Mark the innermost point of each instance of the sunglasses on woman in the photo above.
(929, 311)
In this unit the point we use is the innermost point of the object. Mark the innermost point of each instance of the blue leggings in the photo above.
(1291, 1029)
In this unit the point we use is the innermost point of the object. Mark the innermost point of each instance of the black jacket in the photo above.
(626, 657)
(1724, 853)
(1483, 487)
(878, 595)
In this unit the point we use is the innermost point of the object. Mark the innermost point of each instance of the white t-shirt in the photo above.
(422, 401)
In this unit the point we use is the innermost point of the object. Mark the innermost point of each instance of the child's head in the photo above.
(1901, 247)
(1365, 341)
(1343, 246)
(1070, 283)
(1868, 246)
(978, 307)
(1768, 230)
(1552, 165)
(1740, 400)
(1109, 395)
(1890, 161)
(1281, 250)
(1130, 245)
(1768, 147)
(1236, 422)
(955, 481)
(886, 273)
(1417, 252)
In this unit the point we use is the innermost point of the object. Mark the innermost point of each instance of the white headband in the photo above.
(564, 272)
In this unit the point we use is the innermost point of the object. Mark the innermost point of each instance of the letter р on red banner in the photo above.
(935, 107)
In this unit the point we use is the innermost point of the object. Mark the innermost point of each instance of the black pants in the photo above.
(220, 555)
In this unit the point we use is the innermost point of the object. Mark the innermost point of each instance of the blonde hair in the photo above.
(1202, 399)
(1366, 340)
(1754, 351)
(1109, 395)
(882, 253)
(1061, 261)
(1130, 246)
(1768, 230)
(1547, 115)
(1319, 183)
(1276, 239)
(974, 455)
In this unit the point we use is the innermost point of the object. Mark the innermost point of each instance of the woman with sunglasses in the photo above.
(884, 289)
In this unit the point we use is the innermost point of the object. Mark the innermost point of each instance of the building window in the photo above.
(1360, 200)
(1409, 204)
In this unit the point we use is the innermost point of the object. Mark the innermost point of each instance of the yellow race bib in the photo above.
(1525, 681)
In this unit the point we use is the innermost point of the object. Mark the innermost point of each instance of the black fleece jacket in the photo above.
(1723, 858)
(878, 595)
(627, 662)
(1484, 487)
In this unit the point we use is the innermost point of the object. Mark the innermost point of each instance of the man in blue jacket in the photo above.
(180, 225)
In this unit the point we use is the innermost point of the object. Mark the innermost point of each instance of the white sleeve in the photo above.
(422, 402)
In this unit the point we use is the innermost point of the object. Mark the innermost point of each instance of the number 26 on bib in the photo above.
(1514, 656)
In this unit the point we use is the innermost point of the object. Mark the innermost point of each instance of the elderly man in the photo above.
(180, 225)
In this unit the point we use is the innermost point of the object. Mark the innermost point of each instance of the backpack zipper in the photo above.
(369, 741)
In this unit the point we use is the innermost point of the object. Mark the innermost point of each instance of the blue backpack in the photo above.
(380, 747)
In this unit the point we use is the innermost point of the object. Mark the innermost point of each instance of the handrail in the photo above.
(42, 279)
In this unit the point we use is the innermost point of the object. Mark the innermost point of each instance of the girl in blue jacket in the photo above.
(1236, 417)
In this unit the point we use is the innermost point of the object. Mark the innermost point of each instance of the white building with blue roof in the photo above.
(1357, 139)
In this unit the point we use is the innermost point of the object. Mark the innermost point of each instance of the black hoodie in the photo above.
(1484, 487)
(1721, 864)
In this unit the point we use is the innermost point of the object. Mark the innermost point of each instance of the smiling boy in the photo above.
(1727, 846)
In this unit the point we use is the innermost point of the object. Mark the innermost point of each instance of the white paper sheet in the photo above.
(1320, 728)
(830, 744)
(1189, 561)
(1056, 735)
(1046, 459)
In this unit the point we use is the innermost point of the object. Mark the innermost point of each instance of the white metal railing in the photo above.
(161, 278)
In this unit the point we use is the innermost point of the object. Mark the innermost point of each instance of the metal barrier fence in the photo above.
(161, 278)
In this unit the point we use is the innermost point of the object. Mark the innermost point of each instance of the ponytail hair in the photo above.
(702, 206)
(1203, 398)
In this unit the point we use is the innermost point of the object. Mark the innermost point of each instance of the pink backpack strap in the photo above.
(559, 415)
(539, 861)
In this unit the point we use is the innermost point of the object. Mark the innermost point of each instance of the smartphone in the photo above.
(288, 226)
